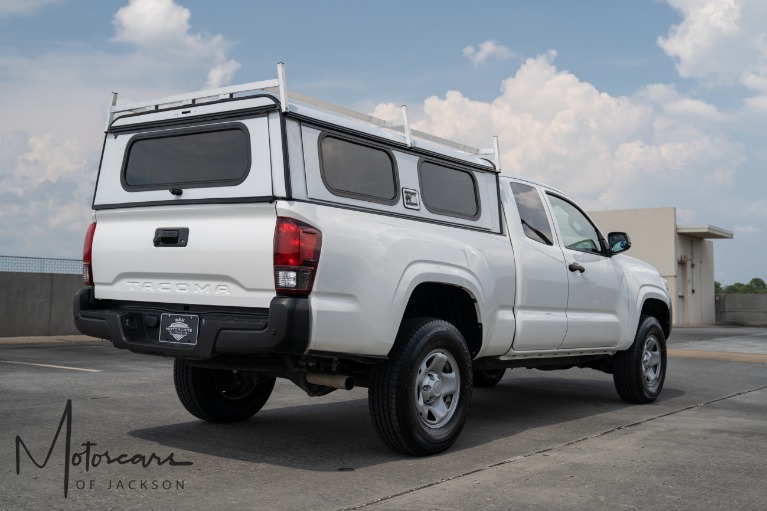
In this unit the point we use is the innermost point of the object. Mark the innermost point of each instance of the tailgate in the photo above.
(223, 254)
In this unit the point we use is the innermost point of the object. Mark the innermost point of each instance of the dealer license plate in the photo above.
(179, 328)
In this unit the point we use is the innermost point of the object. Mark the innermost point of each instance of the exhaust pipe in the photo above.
(337, 381)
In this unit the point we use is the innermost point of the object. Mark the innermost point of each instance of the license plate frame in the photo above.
(179, 328)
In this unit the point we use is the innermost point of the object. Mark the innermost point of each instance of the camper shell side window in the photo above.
(359, 170)
(448, 190)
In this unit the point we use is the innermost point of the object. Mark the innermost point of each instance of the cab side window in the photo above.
(535, 223)
(578, 233)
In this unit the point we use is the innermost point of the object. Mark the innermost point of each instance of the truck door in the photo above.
(597, 303)
(542, 279)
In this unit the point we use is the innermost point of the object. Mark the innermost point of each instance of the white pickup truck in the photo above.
(252, 233)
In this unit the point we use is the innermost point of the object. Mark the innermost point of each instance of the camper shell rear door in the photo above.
(184, 205)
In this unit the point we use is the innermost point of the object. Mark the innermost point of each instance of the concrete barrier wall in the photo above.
(41, 304)
(37, 304)
(741, 309)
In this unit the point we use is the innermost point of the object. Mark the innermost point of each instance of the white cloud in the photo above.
(709, 28)
(486, 51)
(75, 81)
(161, 27)
(10, 8)
(221, 74)
(45, 189)
(607, 151)
(746, 229)
(153, 23)
(694, 109)
(720, 41)
(53, 115)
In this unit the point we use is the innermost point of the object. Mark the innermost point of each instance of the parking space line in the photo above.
(51, 366)
(754, 358)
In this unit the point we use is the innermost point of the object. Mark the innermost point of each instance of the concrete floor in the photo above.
(539, 440)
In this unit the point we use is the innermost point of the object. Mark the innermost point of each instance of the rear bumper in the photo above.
(284, 329)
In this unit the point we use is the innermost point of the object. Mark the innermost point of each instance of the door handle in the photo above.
(576, 267)
(171, 237)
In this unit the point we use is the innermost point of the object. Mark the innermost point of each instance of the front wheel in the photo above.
(218, 395)
(419, 398)
(639, 372)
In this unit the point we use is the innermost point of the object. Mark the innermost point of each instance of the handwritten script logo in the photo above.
(87, 457)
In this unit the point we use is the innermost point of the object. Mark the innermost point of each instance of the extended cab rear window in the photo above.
(188, 158)
(535, 223)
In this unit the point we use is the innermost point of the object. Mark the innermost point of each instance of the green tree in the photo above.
(756, 286)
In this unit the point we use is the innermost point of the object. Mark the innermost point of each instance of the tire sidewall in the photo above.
(649, 327)
(437, 335)
(200, 395)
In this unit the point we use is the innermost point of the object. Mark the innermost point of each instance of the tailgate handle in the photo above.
(171, 237)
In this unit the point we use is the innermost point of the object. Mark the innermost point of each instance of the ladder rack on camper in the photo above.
(278, 86)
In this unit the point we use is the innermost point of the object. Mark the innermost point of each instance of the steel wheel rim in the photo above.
(437, 388)
(233, 385)
(652, 363)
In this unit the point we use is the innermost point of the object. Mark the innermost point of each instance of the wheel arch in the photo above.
(451, 303)
(659, 310)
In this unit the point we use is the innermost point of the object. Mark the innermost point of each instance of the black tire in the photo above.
(420, 397)
(217, 395)
(488, 378)
(640, 371)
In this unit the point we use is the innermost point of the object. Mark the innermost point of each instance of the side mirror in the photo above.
(618, 242)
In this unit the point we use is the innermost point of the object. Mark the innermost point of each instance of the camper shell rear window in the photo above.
(187, 158)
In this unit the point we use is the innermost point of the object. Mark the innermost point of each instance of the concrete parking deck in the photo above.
(539, 440)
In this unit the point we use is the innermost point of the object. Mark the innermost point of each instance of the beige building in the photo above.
(683, 255)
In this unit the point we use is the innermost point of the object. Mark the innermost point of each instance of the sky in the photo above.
(650, 103)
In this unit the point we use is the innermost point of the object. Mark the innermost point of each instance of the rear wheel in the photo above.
(217, 395)
(419, 398)
(639, 372)
(488, 378)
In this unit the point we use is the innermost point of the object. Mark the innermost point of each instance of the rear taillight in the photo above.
(296, 254)
(88, 255)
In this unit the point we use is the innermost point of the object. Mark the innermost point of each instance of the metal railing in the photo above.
(40, 265)
(280, 88)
